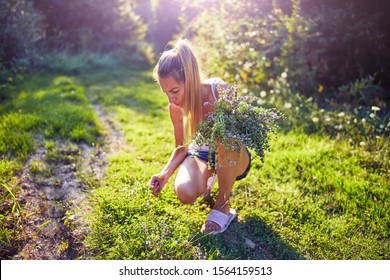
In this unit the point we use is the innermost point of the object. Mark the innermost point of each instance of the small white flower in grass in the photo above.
(375, 108)
(327, 119)
(287, 105)
(363, 120)
(372, 115)
(263, 94)
(272, 91)
(245, 91)
(315, 120)
(341, 114)
(284, 75)
(362, 143)
(260, 101)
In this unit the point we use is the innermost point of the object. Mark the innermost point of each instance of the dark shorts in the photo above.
(204, 155)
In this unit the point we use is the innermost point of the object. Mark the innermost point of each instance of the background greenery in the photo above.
(321, 193)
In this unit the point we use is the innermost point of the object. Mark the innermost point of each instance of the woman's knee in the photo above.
(186, 193)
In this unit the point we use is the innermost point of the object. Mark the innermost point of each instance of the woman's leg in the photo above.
(191, 179)
(227, 175)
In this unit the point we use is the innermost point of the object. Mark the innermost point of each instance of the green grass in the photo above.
(314, 197)
(43, 105)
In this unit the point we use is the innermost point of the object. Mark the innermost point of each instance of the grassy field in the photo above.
(314, 197)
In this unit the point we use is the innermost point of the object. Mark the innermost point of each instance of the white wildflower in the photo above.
(287, 105)
(375, 108)
(263, 94)
(260, 101)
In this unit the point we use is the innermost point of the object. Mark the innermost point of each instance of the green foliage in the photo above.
(165, 23)
(357, 122)
(236, 123)
(15, 134)
(76, 63)
(281, 51)
(250, 42)
(90, 24)
(21, 28)
(50, 32)
(312, 197)
(342, 52)
(27, 113)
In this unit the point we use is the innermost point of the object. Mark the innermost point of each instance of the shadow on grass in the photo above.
(251, 239)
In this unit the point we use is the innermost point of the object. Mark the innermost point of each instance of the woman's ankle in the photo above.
(222, 206)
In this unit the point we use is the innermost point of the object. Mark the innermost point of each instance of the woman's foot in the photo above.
(212, 226)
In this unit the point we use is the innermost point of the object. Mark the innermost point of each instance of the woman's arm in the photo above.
(158, 181)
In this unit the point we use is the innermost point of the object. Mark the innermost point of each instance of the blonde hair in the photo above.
(181, 64)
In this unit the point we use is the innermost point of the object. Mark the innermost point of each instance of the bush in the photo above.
(62, 62)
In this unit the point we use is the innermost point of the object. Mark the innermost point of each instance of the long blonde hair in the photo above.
(181, 64)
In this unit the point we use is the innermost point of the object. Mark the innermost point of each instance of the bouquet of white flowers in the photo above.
(236, 122)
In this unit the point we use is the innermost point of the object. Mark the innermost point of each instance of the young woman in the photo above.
(178, 75)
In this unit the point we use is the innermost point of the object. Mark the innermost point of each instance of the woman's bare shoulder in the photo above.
(216, 81)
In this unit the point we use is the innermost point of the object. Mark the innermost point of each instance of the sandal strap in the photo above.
(218, 217)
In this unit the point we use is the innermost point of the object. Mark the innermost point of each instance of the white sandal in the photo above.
(221, 219)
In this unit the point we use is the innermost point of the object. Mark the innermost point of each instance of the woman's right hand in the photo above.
(157, 182)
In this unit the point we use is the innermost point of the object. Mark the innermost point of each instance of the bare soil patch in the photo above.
(54, 186)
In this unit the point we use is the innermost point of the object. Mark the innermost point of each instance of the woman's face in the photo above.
(173, 89)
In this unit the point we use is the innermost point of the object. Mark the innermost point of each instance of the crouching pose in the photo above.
(178, 75)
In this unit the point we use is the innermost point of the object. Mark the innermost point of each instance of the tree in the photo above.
(21, 29)
(97, 25)
(166, 23)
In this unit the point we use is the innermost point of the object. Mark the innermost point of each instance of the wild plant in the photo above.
(238, 122)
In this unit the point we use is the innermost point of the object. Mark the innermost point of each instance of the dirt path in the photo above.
(54, 185)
